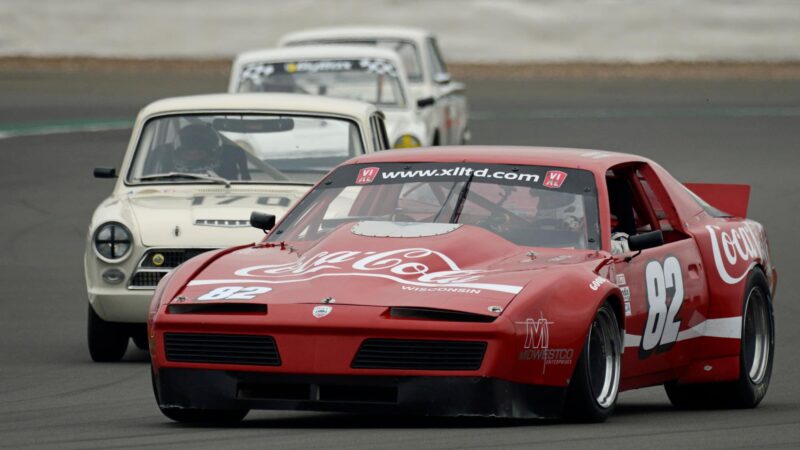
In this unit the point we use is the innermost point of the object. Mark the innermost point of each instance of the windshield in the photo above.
(406, 49)
(532, 206)
(248, 148)
(367, 80)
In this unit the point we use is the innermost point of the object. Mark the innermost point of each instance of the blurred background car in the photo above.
(427, 71)
(354, 72)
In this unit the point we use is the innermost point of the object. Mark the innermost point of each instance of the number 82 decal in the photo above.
(234, 293)
(664, 283)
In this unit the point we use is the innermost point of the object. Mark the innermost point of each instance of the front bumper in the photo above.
(419, 395)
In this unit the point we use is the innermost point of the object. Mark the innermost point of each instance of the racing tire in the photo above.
(224, 417)
(107, 341)
(755, 358)
(205, 416)
(593, 389)
(139, 338)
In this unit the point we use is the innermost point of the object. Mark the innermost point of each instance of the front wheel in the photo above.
(755, 358)
(205, 416)
(107, 341)
(593, 389)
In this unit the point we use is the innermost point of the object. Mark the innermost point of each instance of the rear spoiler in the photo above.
(729, 199)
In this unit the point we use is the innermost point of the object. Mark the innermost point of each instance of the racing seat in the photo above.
(620, 199)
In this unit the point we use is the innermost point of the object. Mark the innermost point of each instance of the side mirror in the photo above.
(643, 241)
(105, 172)
(264, 222)
(425, 102)
(442, 78)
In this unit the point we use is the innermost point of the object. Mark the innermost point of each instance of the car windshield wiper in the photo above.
(196, 176)
(462, 197)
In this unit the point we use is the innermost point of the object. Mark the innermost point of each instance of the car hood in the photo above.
(212, 217)
(440, 266)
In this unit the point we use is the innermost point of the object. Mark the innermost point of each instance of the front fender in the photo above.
(551, 319)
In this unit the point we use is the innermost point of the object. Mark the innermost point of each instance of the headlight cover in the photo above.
(112, 242)
(407, 141)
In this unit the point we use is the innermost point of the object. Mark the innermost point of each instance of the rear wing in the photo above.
(723, 199)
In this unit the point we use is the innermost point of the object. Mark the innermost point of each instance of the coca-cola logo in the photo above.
(735, 245)
(409, 266)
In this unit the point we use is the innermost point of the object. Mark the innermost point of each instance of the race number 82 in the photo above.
(664, 282)
(234, 293)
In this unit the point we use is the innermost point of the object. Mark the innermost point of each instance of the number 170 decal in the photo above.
(664, 283)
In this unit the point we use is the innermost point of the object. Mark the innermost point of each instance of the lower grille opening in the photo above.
(419, 354)
(362, 394)
(221, 349)
(274, 391)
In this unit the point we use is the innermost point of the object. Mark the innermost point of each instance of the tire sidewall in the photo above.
(756, 392)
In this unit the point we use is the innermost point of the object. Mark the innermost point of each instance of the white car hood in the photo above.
(211, 217)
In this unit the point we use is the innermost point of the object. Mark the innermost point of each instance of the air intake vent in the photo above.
(222, 349)
(419, 355)
(217, 308)
(438, 314)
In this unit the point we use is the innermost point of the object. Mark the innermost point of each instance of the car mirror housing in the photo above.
(425, 102)
(442, 78)
(262, 221)
(105, 172)
(647, 240)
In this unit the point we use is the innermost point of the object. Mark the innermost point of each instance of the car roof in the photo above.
(299, 103)
(317, 52)
(597, 161)
(356, 32)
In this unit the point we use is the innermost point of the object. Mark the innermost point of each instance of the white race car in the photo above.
(361, 73)
(195, 168)
(427, 72)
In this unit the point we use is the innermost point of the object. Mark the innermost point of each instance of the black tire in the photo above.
(224, 417)
(589, 399)
(139, 338)
(205, 416)
(107, 341)
(755, 358)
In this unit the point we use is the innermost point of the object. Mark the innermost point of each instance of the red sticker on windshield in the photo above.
(367, 175)
(554, 179)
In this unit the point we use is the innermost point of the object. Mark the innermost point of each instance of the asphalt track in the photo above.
(52, 395)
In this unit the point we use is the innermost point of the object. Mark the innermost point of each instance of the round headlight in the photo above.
(112, 242)
(407, 141)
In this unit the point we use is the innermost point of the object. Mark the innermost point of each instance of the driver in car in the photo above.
(202, 150)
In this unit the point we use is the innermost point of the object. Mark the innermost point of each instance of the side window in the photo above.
(437, 63)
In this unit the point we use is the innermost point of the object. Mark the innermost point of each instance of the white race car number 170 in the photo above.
(234, 293)
(664, 283)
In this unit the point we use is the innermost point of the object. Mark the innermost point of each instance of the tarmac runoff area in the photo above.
(714, 128)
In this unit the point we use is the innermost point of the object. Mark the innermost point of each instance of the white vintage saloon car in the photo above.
(195, 168)
(427, 73)
(361, 73)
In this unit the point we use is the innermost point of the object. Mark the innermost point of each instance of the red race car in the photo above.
(490, 281)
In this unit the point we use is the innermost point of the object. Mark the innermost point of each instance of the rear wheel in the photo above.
(107, 340)
(755, 358)
(593, 389)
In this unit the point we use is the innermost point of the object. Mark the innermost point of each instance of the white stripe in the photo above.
(727, 327)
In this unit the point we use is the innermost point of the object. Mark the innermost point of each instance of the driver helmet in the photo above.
(199, 149)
